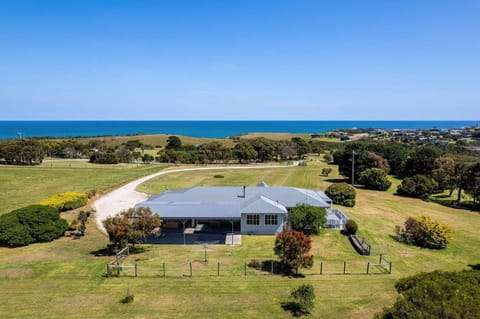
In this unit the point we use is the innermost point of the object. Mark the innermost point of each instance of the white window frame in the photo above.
(253, 219)
(271, 219)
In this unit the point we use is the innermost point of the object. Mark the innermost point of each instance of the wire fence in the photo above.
(202, 268)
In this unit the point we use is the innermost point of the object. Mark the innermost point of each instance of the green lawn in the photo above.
(23, 185)
(63, 278)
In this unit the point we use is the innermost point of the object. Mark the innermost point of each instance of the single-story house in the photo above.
(259, 209)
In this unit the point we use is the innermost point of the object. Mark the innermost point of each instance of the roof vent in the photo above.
(262, 184)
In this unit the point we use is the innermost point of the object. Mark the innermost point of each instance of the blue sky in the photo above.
(245, 60)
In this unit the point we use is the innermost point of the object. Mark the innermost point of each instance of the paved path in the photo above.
(126, 196)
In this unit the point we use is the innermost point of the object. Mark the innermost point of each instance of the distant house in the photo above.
(259, 209)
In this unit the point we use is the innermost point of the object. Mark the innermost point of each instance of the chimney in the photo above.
(244, 187)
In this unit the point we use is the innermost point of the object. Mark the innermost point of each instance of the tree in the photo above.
(244, 152)
(292, 248)
(131, 226)
(302, 300)
(341, 194)
(419, 186)
(104, 158)
(174, 143)
(425, 232)
(377, 161)
(472, 186)
(444, 173)
(22, 152)
(147, 158)
(307, 219)
(421, 161)
(133, 144)
(375, 178)
(265, 148)
(436, 295)
(301, 146)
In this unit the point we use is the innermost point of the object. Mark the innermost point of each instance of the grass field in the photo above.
(23, 185)
(64, 278)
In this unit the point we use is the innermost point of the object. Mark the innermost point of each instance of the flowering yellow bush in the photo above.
(66, 201)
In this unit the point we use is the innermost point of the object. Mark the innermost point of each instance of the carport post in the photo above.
(231, 222)
(183, 221)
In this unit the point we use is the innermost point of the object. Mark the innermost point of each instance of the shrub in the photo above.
(436, 295)
(302, 300)
(91, 193)
(375, 178)
(351, 227)
(326, 171)
(34, 223)
(341, 194)
(66, 201)
(418, 186)
(255, 263)
(128, 297)
(425, 232)
(328, 157)
(218, 176)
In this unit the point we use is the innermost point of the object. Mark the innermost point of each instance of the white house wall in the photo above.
(261, 228)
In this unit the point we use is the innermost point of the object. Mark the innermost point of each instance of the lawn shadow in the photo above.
(294, 308)
(469, 205)
(336, 180)
(112, 250)
(474, 266)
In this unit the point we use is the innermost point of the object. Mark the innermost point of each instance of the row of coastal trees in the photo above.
(32, 151)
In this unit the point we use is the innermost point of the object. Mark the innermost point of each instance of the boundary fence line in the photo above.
(383, 267)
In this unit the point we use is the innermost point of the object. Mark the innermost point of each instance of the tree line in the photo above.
(33, 151)
(425, 169)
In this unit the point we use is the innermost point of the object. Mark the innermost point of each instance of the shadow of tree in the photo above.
(111, 250)
(474, 266)
(294, 308)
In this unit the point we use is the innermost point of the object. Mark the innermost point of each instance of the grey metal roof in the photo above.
(194, 210)
(229, 201)
(262, 204)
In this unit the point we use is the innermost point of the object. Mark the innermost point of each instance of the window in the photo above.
(253, 219)
(271, 220)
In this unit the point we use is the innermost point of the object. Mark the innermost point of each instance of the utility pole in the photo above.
(353, 168)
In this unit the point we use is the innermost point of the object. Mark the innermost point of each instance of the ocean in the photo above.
(212, 129)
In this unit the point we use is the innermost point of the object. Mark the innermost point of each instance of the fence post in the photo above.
(191, 273)
(108, 270)
(321, 267)
(368, 267)
(163, 269)
(218, 269)
(344, 267)
(390, 268)
(380, 261)
(245, 268)
(136, 270)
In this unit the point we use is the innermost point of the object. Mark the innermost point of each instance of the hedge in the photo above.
(34, 223)
(66, 201)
